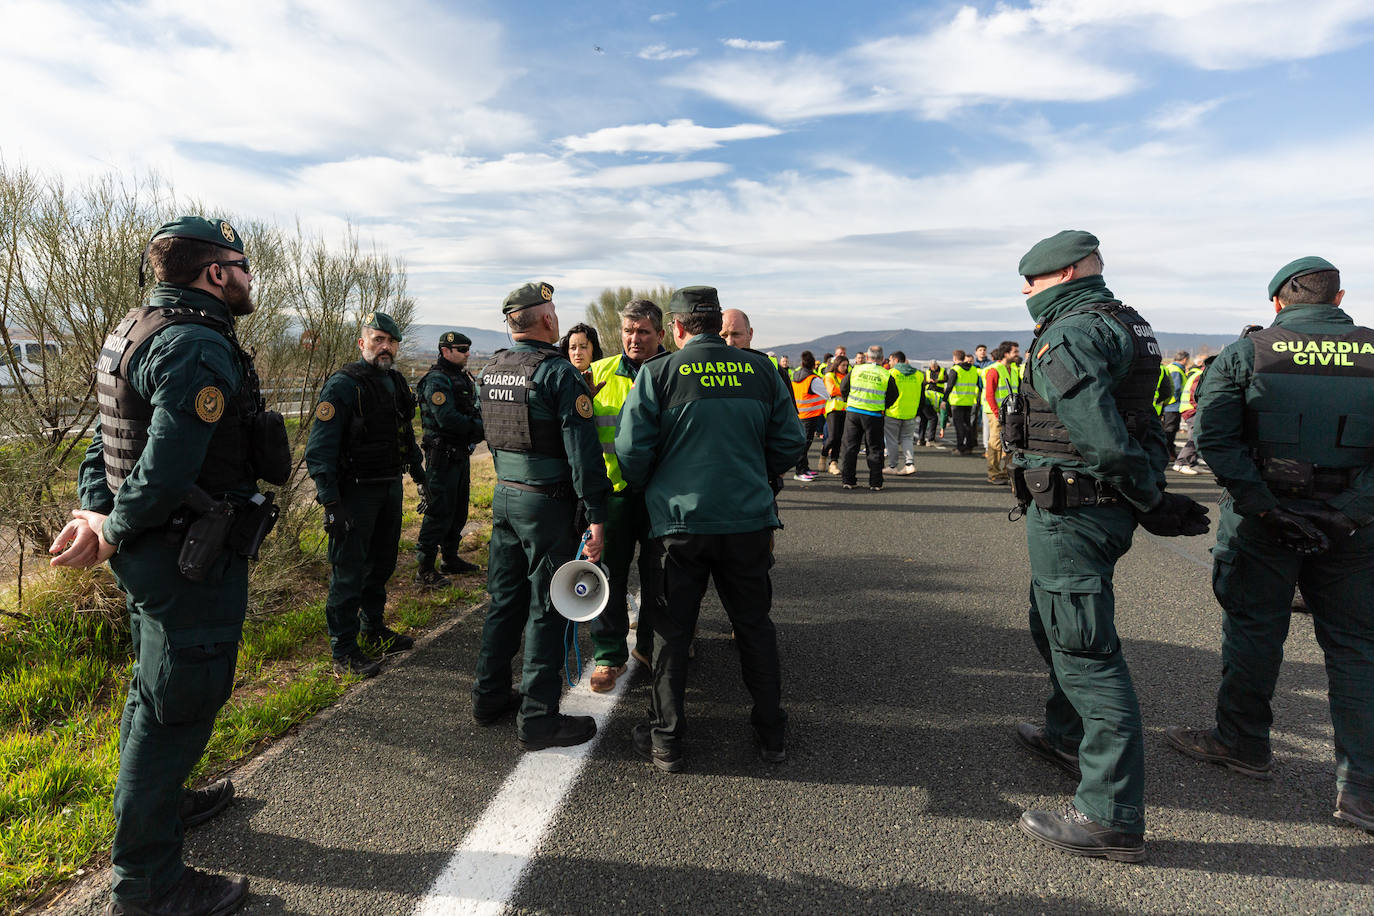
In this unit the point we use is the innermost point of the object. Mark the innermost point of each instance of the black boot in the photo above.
(454, 565)
(426, 576)
(196, 893)
(199, 805)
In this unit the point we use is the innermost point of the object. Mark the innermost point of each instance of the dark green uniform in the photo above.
(361, 442)
(532, 533)
(1079, 365)
(452, 425)
(1286, 419)
(185, 634)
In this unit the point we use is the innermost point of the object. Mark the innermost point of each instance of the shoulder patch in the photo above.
(584, 407)
(438, 398)
(325, 411)
(210, 404)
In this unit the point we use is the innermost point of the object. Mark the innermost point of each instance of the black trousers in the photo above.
(869, 429)
(739, 564)
(834, 432)
(963, 428)
(927, 425)
(1171, 420)
(813, 427)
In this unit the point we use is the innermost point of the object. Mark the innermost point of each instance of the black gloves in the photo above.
(1175, 516)
(423, 490)
(336, 519)
(1334, 523)
(1296, 532)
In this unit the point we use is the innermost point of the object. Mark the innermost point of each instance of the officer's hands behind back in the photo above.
(1299, 534)
(1175, 516)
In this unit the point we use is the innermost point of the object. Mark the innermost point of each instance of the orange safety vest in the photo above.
(808, 405)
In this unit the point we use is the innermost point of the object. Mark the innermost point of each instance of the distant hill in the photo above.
(928, 345)
(423, 339)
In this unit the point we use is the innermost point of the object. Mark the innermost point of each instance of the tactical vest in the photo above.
(125, 414)
(1046, 435)
(507, 383)
(377, 446)
(808, 405)
(1309, 398)
(464, 397)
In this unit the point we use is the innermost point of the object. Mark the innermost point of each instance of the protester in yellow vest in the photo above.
(627, 519)
(810, 394)
(869, 391)
(899, 424)
(1000, 380)
(961, 394)
(835, 411)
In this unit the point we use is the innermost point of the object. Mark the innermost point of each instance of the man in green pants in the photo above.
(1089, 466)
(178, 400)
(361, 442)
(452, 426)
(627, 519)
(537, 413)
(1286, 422)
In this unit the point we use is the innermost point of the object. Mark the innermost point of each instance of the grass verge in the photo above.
(64, 670)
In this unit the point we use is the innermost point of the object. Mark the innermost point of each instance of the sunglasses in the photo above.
(461, 348)
(241, 262)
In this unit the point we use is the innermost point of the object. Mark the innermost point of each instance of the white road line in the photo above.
(485, 870)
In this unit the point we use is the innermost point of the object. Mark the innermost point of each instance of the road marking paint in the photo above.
(486, 869)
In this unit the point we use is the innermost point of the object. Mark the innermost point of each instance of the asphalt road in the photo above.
(907, 662)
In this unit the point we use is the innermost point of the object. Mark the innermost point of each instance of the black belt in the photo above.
(561, 490)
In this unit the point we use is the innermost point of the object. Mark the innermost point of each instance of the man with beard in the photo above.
(179, 402)
(360, 443)
(452, 426)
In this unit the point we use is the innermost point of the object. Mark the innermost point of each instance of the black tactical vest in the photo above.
(125, 414)
(507, 383)
(1311, 398)
(377, 445)
(1046, 435)
(464, 400)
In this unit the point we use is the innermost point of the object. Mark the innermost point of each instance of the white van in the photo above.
(28, 357)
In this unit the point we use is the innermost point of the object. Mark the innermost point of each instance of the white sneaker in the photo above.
(1185, 469)
(907, 471)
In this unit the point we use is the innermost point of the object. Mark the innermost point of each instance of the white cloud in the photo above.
(662, 17)
(1183, 115)
(663, 52)
(744, 44)
(677, 136)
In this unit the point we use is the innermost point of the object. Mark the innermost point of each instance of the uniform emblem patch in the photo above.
(545, 292)
(1042, 351)
(371, 317)
(584, 407)
(325, 411)
(226, 230)
(209, 404)
(438, 398)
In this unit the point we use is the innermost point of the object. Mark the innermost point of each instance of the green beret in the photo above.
(694, 299)
(526, 296)
(454, 339)
(1300, 267)
(215, 231)
(381, 321)
(1057, 252)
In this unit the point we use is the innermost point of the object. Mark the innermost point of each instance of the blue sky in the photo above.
(826, 166)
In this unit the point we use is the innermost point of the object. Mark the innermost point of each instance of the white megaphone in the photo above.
(580, 590)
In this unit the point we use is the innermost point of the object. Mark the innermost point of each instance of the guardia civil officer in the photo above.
(703, 432)
(538, 419)
(452, 426)
(361, 442)
(1286, 422)
(178, 445)
(1089, 466)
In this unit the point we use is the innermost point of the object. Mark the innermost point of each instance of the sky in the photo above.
(826, 166)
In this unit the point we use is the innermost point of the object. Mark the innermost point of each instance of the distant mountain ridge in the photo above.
(423, 339)
(928, 345)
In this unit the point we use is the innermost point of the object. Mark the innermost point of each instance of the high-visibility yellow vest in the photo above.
(832, 385)
(808, 404)
(935, 388)
(1176, 375)
(868, 388)
(908, 394)
(1008, 380)
(606, 411)
(965, 393)
(1186, 401)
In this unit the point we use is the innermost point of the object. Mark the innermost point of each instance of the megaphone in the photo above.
(580, 590)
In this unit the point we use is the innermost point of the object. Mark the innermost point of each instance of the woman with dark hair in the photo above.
(834, 412)
(581, 346)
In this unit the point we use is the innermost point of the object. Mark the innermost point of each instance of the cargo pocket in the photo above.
(1225, 582)
(1082, 619)
(195, 676)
